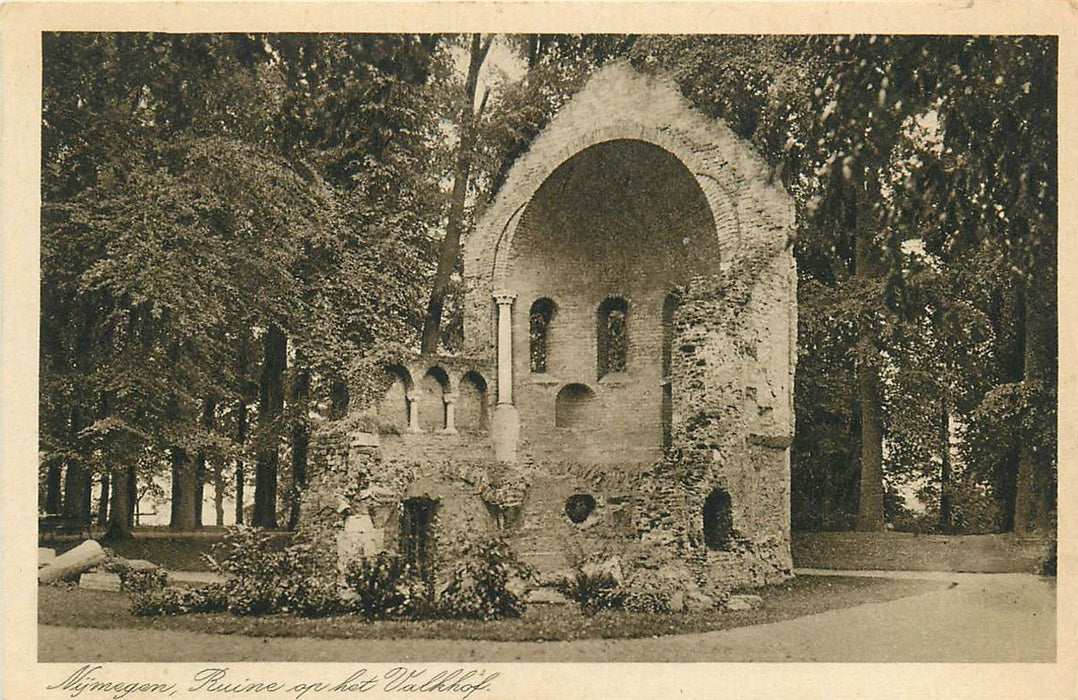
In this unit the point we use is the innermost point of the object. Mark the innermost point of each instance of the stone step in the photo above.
(99, 581)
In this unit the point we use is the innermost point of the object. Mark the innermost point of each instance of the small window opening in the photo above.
(542, 313)
(579, 506)
(612, 336)
(670, 305)
(718, 520)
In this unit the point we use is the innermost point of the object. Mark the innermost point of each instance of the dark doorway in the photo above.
(416, 539)
(718, 520)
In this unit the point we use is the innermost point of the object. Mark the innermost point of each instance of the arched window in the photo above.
(393, 408)
(612, 335)
(432, 392)
(542, 313)
(471, 411)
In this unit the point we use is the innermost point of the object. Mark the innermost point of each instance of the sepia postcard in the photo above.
(534, 350)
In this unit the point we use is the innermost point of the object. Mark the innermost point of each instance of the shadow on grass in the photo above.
(805, 595)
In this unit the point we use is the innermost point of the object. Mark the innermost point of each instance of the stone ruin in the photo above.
(625, 394)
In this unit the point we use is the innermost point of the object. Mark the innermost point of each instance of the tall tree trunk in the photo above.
(867, 266)
(77, 480)
(301, 390)
(241, 438)
(945, 523)
(119, 523)
(132, 494)
(1035, 487)
(103, 501)
(209, 408)
(1012, 364)
(450, 252)
(219, 496)
(870, 503)
(54, 487)
(271, 404)
(184, 490)
(76, 492)
(300, 440)
(200, 489)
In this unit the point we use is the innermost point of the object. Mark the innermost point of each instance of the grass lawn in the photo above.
(804, 595)
(170, 550)
(1005, 553)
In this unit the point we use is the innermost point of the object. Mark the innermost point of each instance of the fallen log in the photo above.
(73, 562)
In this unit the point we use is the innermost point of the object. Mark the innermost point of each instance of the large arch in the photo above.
(753, 217)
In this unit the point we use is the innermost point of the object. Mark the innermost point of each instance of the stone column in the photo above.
(505, 428)
(450, 414)
(505, 346)
(413, 415)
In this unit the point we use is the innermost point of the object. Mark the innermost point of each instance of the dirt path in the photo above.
(984, 617)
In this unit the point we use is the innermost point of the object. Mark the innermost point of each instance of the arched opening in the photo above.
(471, 411)
(612, 336)
(542, 313)
(432, 399)
(718, 520)
(393, 408)
(573, 407)
(607, 235)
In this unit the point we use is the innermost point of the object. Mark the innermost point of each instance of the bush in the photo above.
(138, 581)
(593, 592)
(181, 601)
(385, 586)
(646, 601)
(264, 580)
(481, 582)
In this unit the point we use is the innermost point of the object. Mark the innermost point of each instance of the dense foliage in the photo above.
(487, 582)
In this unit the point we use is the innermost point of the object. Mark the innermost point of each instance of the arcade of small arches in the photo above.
(441, 402)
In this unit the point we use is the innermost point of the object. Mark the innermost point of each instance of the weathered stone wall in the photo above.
(353, 504)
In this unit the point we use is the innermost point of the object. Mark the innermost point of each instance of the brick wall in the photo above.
(622, 219)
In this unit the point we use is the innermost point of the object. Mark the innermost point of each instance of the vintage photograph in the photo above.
(497, 347)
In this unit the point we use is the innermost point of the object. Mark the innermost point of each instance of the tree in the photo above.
(997, 191)
(450, 249)
(201, 228)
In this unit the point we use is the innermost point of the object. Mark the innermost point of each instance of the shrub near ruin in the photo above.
(262, 580)
(385, 586)
(487, 582)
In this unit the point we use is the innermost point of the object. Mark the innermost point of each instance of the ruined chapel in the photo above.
(625, 392)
